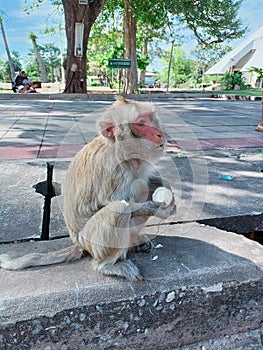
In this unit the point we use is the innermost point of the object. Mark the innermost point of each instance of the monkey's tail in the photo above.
(68, 254)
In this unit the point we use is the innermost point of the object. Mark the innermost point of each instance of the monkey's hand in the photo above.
(165, 211)
(151, 208)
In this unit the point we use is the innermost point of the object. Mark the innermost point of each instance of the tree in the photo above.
(50, 56)
(85, 15)
(131, 76)
(41, 65)
(259, 73)
(16, 63)
(211, 21)
(11, 66)
(181, 67)
(207, 56)
(76, 63)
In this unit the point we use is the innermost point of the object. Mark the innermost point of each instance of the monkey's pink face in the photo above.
(144, 127)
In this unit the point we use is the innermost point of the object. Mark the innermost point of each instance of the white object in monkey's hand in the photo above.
(163, 195)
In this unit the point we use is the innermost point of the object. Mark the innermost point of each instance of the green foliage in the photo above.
(209, 55)
(50, 55)
(227, 80)
(230, 80)
(211, 21)
(257, 70)
(142, 61)
(5, 68)
(181, 67)
(32, 5)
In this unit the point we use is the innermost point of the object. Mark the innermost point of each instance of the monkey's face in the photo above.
(140, 139)
(144, 127)
(134, 129)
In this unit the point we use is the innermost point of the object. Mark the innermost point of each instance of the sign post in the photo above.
(119, 63)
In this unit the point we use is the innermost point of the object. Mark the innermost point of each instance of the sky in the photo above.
(18, 24)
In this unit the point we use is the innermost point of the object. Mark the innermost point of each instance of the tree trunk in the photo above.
(39, 58)
(131, 76)
(76, 67)
(11, 66)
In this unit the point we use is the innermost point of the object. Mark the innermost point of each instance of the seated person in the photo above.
(23, 84)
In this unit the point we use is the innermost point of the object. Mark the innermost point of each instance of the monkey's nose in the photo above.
(159, 139)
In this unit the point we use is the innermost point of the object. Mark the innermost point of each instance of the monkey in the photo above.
(108, 193)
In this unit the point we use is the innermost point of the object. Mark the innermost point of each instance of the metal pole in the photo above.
(47, 204)
(48, 189)
(169, 67)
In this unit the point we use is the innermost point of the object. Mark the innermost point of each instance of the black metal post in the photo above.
(47, 204)
(49, 190)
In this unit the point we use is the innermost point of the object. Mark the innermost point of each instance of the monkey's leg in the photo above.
(106, 236)
(140, 214)
(139, 242)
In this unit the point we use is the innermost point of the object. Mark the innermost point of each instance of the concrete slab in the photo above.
(199, 271)
(20, 206)
(20, 137)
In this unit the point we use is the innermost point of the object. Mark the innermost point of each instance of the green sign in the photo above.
(119, 63)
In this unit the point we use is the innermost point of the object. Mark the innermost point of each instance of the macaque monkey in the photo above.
(108, 193)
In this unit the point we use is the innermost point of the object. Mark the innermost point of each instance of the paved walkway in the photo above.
(31, 129)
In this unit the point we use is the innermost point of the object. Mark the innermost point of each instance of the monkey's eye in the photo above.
(142, 122)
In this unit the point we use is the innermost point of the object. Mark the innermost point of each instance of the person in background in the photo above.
(23, 84)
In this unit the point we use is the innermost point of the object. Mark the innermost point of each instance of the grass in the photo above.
(247, 92)
(3, 91)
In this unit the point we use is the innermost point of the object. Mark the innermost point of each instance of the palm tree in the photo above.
(42, 68)
(11, 66)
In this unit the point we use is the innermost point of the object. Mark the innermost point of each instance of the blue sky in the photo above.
(18, 24)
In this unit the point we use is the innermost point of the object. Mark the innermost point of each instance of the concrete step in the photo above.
(202, 285)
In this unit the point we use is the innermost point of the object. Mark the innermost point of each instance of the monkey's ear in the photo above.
(107, 128)
(122, 99)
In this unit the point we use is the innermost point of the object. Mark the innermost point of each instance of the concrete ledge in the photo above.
(205, 283)
(102, 96)
(236, 97)
(94, 96)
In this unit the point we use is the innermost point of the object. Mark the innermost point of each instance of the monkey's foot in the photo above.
(145, 247)
(124, 268)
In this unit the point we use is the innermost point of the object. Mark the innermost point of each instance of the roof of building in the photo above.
(248, 54)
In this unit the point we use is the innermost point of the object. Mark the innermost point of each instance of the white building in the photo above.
(246, 55)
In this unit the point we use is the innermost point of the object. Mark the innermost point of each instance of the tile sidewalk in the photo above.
(31, 129)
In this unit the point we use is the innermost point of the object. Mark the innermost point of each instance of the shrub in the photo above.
(230, 80)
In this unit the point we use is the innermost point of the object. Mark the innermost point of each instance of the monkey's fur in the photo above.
(107, 192)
